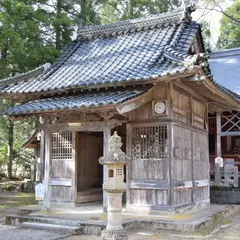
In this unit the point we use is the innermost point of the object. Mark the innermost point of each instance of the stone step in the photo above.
(16, 220)
(92, 228)
(53, 227)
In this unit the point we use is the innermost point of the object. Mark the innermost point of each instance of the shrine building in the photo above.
(146, 78)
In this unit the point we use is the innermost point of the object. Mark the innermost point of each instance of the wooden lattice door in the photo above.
(148, 149)
(63, 167)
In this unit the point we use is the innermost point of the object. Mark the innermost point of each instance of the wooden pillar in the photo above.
(47, 170)
(129, 166)
(42, 161)
(219, 147)
(74, 169)
(170, 137)
(106, 139)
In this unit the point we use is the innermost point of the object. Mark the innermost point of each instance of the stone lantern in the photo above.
(114, 186)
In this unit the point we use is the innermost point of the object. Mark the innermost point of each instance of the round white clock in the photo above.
(159, 107)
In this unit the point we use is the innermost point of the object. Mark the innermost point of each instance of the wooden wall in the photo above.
(89, 148)
(179, 179)
(201, 171)
(191, 161)
(182, 162)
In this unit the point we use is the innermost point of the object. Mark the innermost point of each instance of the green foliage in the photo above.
(33, 32)
(22, 131)
(230, 30)
(21, 38)
(113, 10)
(206, 35)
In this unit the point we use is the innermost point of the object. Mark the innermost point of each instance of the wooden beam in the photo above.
(47, 170)
(92, 126)
(221, 94)
(135, 103)
(61, 182)
(218, 120)
(236, 133)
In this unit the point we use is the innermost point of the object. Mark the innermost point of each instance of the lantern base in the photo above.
(114, 235)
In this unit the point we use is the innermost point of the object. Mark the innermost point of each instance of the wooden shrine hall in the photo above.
(149, 80)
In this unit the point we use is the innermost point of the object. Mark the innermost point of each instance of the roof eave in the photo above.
(24, 97)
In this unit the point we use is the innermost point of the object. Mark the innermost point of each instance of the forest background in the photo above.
(35, 32)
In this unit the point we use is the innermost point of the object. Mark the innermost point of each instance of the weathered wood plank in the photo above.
(61, 182)
(47, 170)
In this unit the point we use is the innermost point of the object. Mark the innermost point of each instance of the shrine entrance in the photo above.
(89, 148)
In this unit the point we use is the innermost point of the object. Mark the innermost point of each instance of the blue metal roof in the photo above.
(75, 102)
(225, 67)
(116, 54)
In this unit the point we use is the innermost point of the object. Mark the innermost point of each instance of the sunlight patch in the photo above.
(145, 233)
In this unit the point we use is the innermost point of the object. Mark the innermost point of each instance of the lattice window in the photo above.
(230, 122)
(119, 172)
(149, 142)
(62, 145)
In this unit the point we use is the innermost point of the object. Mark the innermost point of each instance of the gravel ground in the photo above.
(230, 231)
(13, 233)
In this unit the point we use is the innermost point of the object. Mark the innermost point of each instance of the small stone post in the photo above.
(114, 186)
(218, 164)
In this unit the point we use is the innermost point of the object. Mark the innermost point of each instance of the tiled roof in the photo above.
(120, 53)
(84, 100)
(225, 67)
(25, 76)
(33, 139)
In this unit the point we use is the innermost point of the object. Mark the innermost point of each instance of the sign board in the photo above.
(39, 192)
(219, 160)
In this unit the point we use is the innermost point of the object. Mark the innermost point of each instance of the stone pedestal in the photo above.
(114, 211)
(114, 186)
(114, 235)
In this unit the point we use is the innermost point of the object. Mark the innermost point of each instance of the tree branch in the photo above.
(224, 13)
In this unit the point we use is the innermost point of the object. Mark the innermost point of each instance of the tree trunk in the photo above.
(58, 27)
(3, 60)
(10, 148)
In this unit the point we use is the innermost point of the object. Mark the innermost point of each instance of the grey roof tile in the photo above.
(74, 102)
(127, 51)
(225, 67)
(25, 76)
